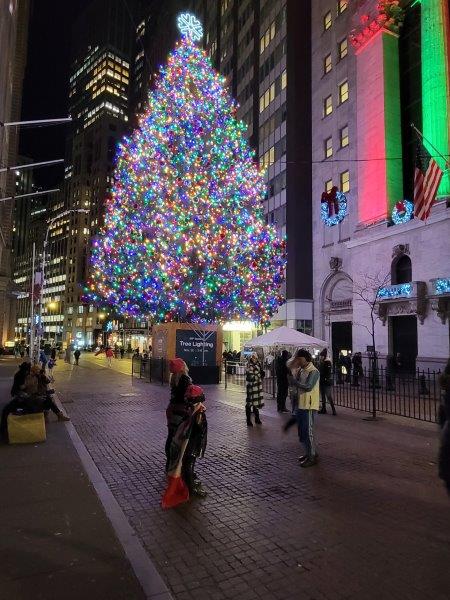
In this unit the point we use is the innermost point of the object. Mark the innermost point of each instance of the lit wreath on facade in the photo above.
(402, 212)
(333, 208)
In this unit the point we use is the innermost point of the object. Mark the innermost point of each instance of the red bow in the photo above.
(331, 199)
(400, 206)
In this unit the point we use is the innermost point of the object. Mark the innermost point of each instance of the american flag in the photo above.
(427, 178)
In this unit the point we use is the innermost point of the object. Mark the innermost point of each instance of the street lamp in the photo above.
(43, 263)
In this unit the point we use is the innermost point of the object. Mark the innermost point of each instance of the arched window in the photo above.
(401, 271)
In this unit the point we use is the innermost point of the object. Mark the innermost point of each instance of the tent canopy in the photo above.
(285, 336)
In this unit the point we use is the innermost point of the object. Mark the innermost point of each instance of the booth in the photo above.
(199, 345)
(283, 338)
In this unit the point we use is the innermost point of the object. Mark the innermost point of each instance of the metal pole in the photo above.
(32, 165)
(31, 352)
(38, 122)
(19, 196)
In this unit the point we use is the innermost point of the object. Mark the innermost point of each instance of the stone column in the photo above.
(435, 30)
(380, 182)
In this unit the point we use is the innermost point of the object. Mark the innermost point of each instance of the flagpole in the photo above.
(31, 353)
(424, 139)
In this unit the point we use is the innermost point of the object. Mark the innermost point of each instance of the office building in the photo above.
(13, 52)
(377, 67)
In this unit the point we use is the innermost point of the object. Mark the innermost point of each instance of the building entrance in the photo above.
(404, 340)
(341, 338)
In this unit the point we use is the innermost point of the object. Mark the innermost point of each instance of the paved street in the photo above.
(371, 521)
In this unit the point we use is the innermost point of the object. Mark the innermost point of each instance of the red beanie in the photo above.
(194, 391)
(176, 365)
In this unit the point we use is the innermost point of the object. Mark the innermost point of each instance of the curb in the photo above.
(146, 573)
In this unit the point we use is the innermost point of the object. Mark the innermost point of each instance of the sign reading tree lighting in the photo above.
(190, 26)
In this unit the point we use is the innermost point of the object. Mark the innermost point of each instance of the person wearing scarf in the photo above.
(186, 436)
(254, 396)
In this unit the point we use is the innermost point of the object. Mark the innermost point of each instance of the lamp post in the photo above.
(43, 263)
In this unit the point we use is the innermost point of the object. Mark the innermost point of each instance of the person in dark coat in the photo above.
(444, 450)
(77, 355)
(19, 378)
(340, 365)
(326, 382)
(348, 368)
(282, 373)
(357, 368)
(53, 353)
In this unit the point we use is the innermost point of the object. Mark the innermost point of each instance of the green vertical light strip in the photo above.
(435, 82)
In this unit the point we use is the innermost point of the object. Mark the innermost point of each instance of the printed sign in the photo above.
(196, 348)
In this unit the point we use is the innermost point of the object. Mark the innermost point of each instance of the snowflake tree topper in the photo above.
(190, 26)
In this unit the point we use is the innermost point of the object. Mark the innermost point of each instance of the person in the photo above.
(77, 355)
(307, 382)
(109, 355)
(50, 366)
(53, 353)
(18, 397)
(340, 365)
(36, 387)
(254, 397)
(357, 368)
(43, 358)
(444, 421)
(186, 436)
(20, 377)
(122, 351)
(282, 372)
(348, 368)
(326, 382)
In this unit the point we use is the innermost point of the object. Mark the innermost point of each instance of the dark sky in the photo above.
(46, 82)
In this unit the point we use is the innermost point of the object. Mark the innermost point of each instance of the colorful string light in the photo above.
(184, 236)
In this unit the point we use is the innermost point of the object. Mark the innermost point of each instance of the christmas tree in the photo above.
(184, 235)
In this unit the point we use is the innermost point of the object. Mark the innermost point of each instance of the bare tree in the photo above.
(367, 289)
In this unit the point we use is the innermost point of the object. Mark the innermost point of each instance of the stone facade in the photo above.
(363, 252)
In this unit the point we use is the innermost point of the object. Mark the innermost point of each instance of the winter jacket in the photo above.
(307, 382)
(326, 373)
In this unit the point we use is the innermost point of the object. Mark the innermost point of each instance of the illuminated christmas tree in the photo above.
(184, 236)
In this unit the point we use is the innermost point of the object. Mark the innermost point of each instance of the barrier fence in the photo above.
(413, 395)
(155, 370)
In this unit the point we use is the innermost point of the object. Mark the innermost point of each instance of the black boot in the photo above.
(248, 414)
(256, 413)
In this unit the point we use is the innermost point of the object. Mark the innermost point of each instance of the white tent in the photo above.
(285, 337)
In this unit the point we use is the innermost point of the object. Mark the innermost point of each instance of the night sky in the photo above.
(46, 82)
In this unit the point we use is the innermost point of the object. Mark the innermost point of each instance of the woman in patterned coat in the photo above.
(254, 399)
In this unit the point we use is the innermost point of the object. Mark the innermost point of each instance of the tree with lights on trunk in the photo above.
(184, 235)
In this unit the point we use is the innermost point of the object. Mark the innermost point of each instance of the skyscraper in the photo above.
(102, 42)
(13, 45)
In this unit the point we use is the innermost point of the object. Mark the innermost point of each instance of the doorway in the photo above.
(341, 338)
(404, 340)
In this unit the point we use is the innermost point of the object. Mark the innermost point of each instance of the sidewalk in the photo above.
(56, 542)
(370, 522)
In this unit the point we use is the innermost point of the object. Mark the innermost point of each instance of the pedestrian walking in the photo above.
(444, 421)
(326, 382)
(50, 366)
(53, 353)
(254, 397)
(282, 372)
(307, 382)
(109, 356)
(77, 355)
(357, 368)
(122, 351)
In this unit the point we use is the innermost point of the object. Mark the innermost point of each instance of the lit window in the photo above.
(327, 64)
(343, 136)
(328, 147)
(343, 48)
(79, 322)
(268, 158)
(283, 79)
(80, 309)
(267, 37)
(345, 181)
(328, 185)
(343, 92)
(328, 106)
(341, 6)
(267, 98)
(70, 310)
(327, 21)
